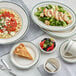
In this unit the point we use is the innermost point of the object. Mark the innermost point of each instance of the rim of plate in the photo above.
(45, 27)
(26, 67)
(61, 54)
(28, 21)
(53, 34)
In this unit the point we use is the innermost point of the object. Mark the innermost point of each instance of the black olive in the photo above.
(54, 44)
(48, 46)
(48, 39)
(45, 49)
(45, 39)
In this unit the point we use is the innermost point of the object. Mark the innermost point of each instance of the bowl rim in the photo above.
(49, 51)
(45, 27)
(26, 12)
(58, 68)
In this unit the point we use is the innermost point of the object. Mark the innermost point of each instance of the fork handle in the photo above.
(12, 73)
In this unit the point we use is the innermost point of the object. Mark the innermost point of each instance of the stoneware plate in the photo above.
(64, 34)
(24, 63)
(24, 17)
(52, 28)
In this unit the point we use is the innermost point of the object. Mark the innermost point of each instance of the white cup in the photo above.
(71, 48)
(53, 64)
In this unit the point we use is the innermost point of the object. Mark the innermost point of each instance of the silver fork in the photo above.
(8, 68)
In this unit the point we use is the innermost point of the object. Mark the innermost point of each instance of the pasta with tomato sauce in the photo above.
(10, 23)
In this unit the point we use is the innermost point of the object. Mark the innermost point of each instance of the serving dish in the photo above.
(24, 17)
(62, 49)
(22, 62)
(53, 28)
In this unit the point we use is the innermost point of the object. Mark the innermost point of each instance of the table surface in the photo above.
(30, 3)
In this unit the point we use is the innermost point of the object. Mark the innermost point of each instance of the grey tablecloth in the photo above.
(32, 33)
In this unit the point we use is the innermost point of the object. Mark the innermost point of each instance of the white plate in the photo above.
(64, 34)
(62, 47)
(24, 16)
(53, 28)
(24, 63)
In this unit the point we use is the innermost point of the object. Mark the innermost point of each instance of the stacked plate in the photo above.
(43, 13)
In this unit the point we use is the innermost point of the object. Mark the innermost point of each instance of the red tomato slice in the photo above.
(12, 15)
(7, 14)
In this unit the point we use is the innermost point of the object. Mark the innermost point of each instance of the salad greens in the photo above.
(53, 15)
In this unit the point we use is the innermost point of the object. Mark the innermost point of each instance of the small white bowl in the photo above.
(57, 63)
(49, 51)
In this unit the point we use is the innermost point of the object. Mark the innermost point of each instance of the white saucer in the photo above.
(24, 63)
(65, 34)
(62, 47)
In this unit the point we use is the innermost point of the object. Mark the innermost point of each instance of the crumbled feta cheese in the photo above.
(5, 32)
(7, 18)
(12, 33)
(2, 28)
(5, 23)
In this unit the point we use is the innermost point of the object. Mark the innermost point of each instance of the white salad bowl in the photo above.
(52, 28)
(49, 51)
(57, 63)
(25, 21)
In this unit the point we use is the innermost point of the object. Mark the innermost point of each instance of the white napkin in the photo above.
(2, 73)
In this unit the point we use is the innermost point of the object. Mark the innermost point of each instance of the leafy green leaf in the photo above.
(37, 14)
(44, 45)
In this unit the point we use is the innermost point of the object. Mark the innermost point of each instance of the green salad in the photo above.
(54, 15)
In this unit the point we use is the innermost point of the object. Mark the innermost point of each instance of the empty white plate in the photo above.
(62, 49)
(24, 63)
